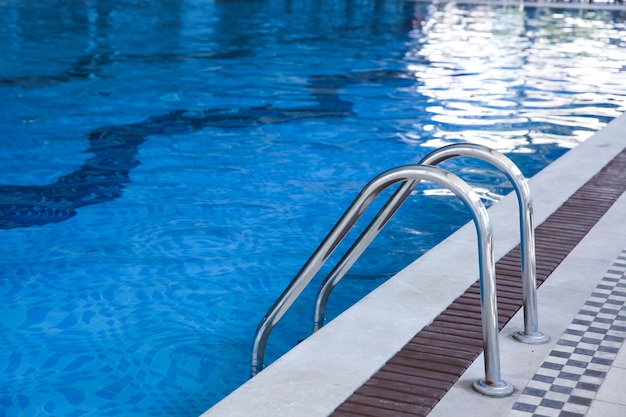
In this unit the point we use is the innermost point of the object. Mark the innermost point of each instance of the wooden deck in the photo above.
(419, 375)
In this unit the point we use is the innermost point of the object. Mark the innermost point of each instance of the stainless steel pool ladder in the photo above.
(492, 384)
(531, 333)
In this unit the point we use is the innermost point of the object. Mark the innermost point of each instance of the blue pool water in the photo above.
(167, 167)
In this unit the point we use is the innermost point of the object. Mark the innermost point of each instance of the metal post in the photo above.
(531, 333)
(492, 384)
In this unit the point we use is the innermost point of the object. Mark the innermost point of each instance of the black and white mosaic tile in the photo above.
(569, 379)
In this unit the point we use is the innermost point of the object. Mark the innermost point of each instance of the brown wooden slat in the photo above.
(424, 362)
(423, 385)
(394, 395)
(349, 408)
(412, 382)
(444, 351)
(427, 388)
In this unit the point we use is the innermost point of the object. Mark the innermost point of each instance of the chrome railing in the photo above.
(531, 333)
(492, 384)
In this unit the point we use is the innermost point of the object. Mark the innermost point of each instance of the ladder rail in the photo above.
(357, 249)
(531, 333)
(492, 384)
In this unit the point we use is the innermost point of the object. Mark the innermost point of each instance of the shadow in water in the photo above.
(102, 177)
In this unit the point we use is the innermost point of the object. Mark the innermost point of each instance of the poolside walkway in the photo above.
(413, 347)
(417, 377)
(582, 370)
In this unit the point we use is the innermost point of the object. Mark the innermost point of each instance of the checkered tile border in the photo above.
(568, 380)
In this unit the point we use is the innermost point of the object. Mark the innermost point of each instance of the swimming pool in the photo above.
(167, 167)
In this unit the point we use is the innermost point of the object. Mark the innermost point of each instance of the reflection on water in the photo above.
(533, 77)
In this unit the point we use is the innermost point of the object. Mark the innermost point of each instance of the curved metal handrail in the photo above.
(492, 384)
(531, 333)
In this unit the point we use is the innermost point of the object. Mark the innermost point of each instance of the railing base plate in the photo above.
(502, 389)
(532, 339)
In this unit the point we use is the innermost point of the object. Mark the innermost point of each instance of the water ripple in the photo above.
(492, 70)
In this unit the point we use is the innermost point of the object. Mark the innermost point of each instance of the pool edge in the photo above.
(320, 373)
